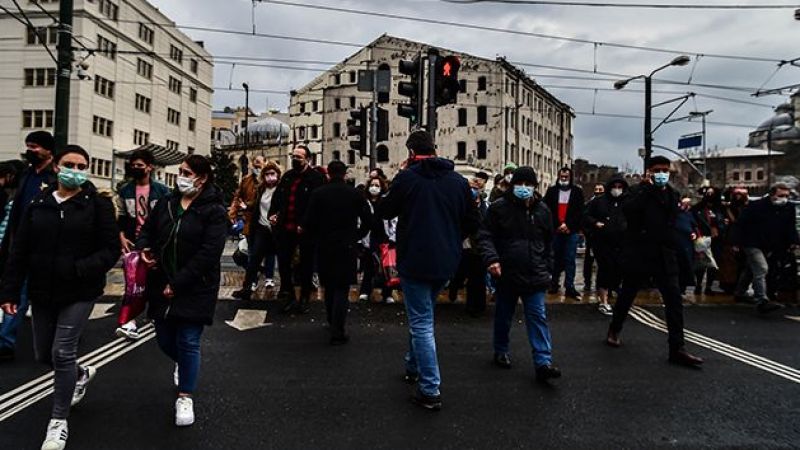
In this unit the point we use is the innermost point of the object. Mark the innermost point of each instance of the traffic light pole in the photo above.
(64, 74)
(373, 122)
(433, 56)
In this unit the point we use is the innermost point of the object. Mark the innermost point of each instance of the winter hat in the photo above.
(43, 139)
(525, 174)
(510, 166)
(421, 143)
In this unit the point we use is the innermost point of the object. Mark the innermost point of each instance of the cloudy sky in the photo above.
(751, 33)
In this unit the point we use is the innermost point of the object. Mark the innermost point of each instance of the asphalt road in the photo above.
(283, 387)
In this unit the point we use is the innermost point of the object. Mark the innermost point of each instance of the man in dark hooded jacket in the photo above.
(436, 212)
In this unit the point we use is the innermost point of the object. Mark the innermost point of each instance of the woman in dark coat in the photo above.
(709, 216)
(183, 240)
(380, 232)
(66, 243)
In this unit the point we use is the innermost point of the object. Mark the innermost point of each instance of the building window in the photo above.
(337, 129)
(760, 175)
(382, 153)
(102, 126)
(190, 150)
(172, 145)
(337, 104)
(352, 102)
(140, 137)
(314, 132)
(462, 151)
(40, 77)
(352, 76)
(143, 103)
(103, 87)
(108, 9)
(100, 167)
(462, 86)
(175, 85)
(42, 35)
(106, 47)
(351, 157)
(337, 155)
(193, 95)
(173, 116)
(144, 69)
(302, 108)
(481, 149)
(146, 33)
(748, 175)
(192, 124)
(481, 83)
(193, 65)
(337, 79)
(301, 133)
(315, 105)
(176, 54)
(481, 115)
(37, 118)
(462, 117)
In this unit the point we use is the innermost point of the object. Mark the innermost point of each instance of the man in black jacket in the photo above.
(289, 204)
(39, 175)
(651, 251)
(337, 217)
(515, 241)
(565, 201)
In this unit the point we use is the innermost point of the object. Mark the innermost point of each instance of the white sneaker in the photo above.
(389, 300)
(87, 373)
(363, 297)
(269, 284)
(184, 411)
(254, 286)
(57, 433)
(128, 331)
(176, 378)
(606, 309)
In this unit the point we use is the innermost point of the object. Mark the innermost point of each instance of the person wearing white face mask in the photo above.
(766, 233)
(182, 242)
(246, 195)
(68, 243)
(566, 202)
(380, 232)
(261, 248)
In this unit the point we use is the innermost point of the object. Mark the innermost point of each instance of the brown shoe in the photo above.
(613, 339)
(683, 358)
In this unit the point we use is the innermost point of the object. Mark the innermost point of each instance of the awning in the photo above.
(163, 156)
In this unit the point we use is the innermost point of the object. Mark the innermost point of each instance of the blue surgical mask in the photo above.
(71, 178)
(475, 193)
(523, 192)
(661, 179)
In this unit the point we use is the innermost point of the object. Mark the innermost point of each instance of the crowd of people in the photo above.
(58, 230)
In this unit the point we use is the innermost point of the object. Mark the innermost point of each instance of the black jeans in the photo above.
(673, 305)
(261, 246)
(472, 270)
(288, 243)
(588, 263)
(336, 305)
(370, 264)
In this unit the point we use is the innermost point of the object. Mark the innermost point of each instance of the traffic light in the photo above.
(383, 125)
(447, 85)
(412, 89)
(357, 126)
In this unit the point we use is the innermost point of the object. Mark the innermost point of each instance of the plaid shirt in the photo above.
(291, 211)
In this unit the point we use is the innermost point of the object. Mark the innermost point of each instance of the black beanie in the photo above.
(421, 143)
(524, 174)
(43, 139)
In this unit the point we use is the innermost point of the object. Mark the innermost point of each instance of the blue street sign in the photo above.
(690, 141)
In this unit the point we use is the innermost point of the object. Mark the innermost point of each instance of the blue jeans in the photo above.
(8, 329)
(420, 299)
(535, 322)
(181, 342)
(565, 250)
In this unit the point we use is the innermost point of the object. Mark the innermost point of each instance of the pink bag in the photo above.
(133, 302)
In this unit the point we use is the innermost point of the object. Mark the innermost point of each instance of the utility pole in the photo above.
(373, 123)
(433, 56)
(648, 117)
(64, 73)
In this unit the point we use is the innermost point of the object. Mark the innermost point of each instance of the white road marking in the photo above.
(29, 393)
(751, 359)
(795, 318)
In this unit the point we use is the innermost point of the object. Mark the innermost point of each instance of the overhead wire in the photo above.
(706, 6)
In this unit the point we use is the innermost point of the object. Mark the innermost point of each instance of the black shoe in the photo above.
(340, 340)
(573, 294)
(502, 360)
(683, 358)
(6, 354)
(289, 307)
(553, 289)
(613, 339)
(411, 377)
(745, 299)
(766, 307)
(428, 402)
(548, 372)
(242, 294)
(587, 288)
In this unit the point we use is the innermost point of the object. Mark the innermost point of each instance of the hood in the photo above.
(433, 167)
(618, 178)
(211, 194)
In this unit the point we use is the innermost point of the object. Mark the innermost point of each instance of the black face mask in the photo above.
(297, 164)
(33, 158)
(137, 173)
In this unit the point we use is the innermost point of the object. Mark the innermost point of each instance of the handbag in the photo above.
(133, 301)
(389, 266)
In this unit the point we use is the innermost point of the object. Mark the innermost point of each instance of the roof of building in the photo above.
(222, 115)
(269, 127)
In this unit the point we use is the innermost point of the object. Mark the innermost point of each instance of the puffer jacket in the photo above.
(519, 238)
(608, 210)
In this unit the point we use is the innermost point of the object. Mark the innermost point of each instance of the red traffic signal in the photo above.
(447, 85)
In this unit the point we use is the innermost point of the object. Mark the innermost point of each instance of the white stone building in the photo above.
(147, 84)
(502, 115)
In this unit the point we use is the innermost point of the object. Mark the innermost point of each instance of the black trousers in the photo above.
(673, 305)
(336, 306)
(288, 243)
(261, 245)
(472, 269)
(588, 262)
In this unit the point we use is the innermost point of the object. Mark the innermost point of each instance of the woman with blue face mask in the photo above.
(69, 241)
(515, 242)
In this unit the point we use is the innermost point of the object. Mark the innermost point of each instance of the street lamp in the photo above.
(648, 101)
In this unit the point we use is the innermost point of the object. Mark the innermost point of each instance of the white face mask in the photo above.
(563, 183)
(375, 190)
(508, 178)
(616, 192)
(779, 201)
(186, 185)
